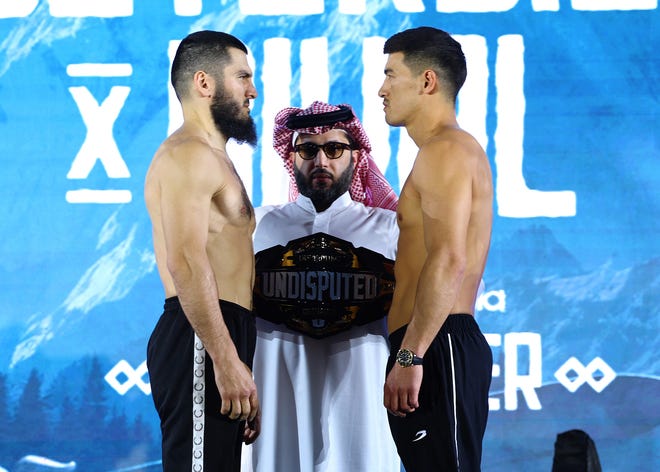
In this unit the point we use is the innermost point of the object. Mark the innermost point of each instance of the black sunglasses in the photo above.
(332, 149)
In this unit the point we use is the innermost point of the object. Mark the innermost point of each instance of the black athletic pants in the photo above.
(445, 433)
(195, 436)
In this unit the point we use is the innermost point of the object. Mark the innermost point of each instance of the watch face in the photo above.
(404, 357)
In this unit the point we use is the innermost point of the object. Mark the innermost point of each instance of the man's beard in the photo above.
(322, 197)
(226, 116)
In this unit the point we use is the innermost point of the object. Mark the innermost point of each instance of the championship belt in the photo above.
(319, 285)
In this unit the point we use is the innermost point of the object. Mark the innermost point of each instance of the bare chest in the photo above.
(409, 211)
(231, 207)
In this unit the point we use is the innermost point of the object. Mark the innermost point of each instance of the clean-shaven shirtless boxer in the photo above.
(440, 366)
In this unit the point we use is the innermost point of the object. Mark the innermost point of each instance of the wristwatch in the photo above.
(407, 358)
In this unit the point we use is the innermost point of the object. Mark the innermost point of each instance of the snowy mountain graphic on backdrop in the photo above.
(102, 311)
(543, 282)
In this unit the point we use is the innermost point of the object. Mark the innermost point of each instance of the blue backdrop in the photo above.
(563, 95)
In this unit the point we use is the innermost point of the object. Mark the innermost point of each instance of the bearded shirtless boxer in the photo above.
(200, 353)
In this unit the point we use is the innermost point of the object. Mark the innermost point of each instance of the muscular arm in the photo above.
(442, 183)
(191, 176)
(444, 186)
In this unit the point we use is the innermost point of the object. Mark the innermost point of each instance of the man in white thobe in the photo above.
(321, 300)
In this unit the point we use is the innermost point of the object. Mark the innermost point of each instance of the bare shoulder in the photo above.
(183, 160)
(452, 144)
(452, 155)
(188, 152)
